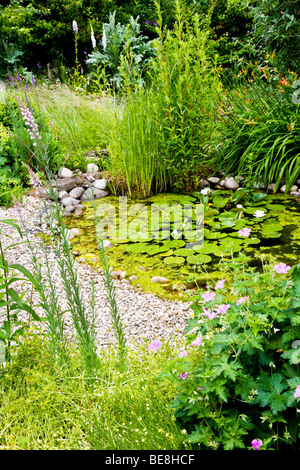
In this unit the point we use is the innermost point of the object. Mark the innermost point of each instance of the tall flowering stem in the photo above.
(75, 29)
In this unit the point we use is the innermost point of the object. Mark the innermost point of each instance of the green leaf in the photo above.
(12, 222)
(228, 369)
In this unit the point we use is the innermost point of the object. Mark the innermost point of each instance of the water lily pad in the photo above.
(138, 248)
(272, 228)
(174, 243)
(207, 248)
(199, 259)
(183, 252)
(275, 207)
(155, 250)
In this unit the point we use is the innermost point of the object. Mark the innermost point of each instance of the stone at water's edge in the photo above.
(76, 193)
(65, 173)
(66, 184)
(159, 280)
(100, 184)
(93, 193)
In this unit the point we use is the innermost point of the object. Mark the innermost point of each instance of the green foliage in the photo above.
(260, 132)
(276, 27)
(162, 139)
(241, 378)
(122, 45)
(10, 300)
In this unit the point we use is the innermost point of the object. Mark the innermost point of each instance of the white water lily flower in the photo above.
(205, 191)
(239, 206)
(259, 214)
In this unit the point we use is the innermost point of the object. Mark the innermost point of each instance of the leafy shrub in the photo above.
(238, 378)
(260, 132)
(121, 43)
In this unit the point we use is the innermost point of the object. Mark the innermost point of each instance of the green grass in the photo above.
(41, 410)
(81, 122)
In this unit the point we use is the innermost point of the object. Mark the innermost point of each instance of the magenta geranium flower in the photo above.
(223, 308)
(281, 268)
(245, 232)
(184, 375)
(220, 284)
(256, 444)
(242, 300)
(155, 345)
(211, 314)
(183, 354)
(197, 342)
(297, 392)
(207, 296)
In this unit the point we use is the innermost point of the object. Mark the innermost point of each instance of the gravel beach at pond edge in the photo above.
(144, 316)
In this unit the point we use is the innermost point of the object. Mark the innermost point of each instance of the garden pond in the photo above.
(235, 223)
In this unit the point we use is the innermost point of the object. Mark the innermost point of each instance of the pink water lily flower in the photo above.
(220, 284)
(207, 296)
(256, 444)
(245, 232)
(281, 268)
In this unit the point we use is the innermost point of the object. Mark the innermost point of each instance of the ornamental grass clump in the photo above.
(241, 384)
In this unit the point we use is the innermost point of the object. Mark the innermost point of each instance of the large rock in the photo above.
(100, 184)
(69, 201)
(65, 173)
(66, 184)
(77, 192)
(92, 168)
(230, 183)
(213, 179)
(93, 193)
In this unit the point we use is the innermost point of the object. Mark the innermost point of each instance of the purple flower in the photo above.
(153, 22)
(18, 77)
(297, 392)
(223, 308)
(33, 81)
(184, 375)
(11, 79)
(26, 86)
(155, 345)
(281, 268)
(197, 341)
(208, 296)
(17, 206)
(256, 444)
(220, 284)
(242, 300)
(245, 232)
(147, 22)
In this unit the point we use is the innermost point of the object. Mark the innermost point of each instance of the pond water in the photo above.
(166, 251)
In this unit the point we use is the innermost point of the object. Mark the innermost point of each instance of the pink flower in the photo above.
(297, 392)
(155, 345)
(223, 308)
(184, 375)
(220, 284)
(245, 232)
(282, 268)
(197, 342)
(242, 300)
(211, 314)
(256, 444)
(208, 296)
(183, 354)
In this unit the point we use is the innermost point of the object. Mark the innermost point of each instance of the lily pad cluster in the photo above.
(227, 218)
